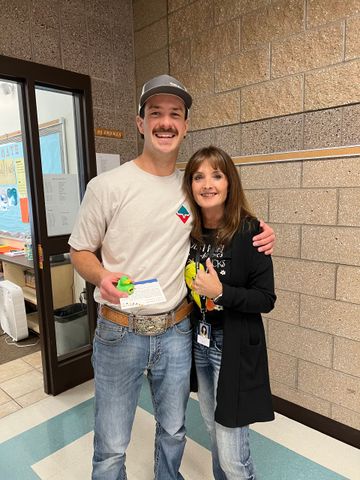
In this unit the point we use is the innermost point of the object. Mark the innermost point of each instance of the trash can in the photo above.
(71, 327)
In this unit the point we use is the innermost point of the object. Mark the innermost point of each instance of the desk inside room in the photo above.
(20, 271)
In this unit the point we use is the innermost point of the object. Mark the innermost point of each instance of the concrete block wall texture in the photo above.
(314, 331)
(272, 76)
(93, 37)
(273, 58)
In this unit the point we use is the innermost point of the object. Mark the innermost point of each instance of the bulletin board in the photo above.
(14, 211)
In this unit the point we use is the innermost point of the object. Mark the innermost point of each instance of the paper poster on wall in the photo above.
(7, 172)
(22, 190)
(14, 210)
(52, 154)
(62, 203)
(24, 209)
(106, 161)
(21, 178)
(14, 218)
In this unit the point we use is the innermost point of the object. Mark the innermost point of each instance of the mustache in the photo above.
(166, 130)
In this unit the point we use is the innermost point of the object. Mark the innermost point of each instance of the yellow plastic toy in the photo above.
(190, 274)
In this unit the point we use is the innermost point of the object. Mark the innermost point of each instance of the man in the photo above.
(138, 216)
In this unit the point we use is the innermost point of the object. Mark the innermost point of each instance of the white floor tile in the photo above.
(71, 462)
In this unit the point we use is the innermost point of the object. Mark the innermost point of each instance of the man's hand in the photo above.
(265, 240)
(108, 290)
(89, 267)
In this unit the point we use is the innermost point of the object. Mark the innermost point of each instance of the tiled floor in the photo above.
(51, 437)
(21, 383)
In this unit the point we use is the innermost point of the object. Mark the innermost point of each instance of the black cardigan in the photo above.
(243, 394)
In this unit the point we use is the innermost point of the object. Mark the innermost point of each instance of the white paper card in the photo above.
(203, 340)
(62, 202)
(146, 292)
(106, 162)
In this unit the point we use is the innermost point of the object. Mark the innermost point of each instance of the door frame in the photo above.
(74, 368)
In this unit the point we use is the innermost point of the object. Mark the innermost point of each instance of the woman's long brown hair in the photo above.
(236, 206)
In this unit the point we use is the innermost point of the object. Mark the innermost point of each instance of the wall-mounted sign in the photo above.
(61, 202)
(108, 132)
(106, 161)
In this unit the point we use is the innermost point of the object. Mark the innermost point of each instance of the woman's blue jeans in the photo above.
(229, 446)
(120, 358)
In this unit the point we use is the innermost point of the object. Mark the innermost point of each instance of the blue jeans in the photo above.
(120, 358)
(229, 446)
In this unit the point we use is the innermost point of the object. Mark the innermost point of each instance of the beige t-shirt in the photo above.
(142, 224)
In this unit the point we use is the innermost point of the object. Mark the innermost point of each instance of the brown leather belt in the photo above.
(147, 324)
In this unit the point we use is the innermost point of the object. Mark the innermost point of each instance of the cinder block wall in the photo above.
(273, 76)
(93, 37)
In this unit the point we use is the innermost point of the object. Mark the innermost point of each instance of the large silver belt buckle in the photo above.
(150, 325)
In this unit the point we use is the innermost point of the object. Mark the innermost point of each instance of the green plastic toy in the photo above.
(125, 285)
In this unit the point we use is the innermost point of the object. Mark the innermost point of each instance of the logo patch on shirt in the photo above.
(183, 214)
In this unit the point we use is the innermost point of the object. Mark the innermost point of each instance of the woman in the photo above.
(231, 284)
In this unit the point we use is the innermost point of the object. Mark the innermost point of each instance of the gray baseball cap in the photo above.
(164, 84)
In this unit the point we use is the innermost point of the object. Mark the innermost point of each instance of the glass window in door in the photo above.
(59, 166)
(59, 159)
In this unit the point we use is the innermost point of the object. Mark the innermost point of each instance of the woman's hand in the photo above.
(265, 240)
(207, 283)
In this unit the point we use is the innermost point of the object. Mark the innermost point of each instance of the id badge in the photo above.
(204, 334)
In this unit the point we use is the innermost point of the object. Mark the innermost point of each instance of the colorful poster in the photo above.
(14, 212)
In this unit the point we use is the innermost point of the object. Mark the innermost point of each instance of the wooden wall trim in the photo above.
(9, 136)
(316, 154)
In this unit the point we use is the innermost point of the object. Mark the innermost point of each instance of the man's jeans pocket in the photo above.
(109, 333)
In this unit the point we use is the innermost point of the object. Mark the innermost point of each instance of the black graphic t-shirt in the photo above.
(221, 260)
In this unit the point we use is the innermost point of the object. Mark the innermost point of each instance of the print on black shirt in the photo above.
(220, 258)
